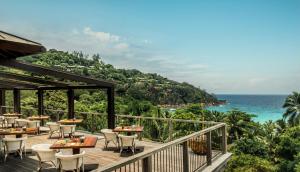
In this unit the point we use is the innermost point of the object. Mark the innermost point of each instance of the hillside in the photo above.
(130, 82)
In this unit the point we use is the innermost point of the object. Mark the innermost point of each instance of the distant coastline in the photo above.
(265, 107)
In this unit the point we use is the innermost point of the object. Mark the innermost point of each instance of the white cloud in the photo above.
(101, 36)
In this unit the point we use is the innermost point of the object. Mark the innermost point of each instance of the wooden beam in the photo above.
(2, 101)
(15, 83)
(31, 79)
(110, 108)
(52, 72)
(17, 100)
(70, 94)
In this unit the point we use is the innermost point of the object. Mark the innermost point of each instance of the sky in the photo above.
(222, 46)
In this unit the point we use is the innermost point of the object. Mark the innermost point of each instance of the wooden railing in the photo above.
(155, 129)
(178, 155)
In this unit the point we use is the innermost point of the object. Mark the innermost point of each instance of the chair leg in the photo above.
(106, 144)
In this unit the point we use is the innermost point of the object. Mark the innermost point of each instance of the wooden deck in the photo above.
(95, 157)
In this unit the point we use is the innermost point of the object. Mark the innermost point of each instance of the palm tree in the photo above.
(292, 105)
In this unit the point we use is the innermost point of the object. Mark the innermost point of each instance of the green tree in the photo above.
(292, 105)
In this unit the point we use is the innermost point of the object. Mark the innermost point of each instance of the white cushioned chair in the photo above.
(67, 129)
(14, 145)
(110, 136)
(21, 122)
(54, 128)
(70, 162)
(34, 124)
(44, 154)
(11, 121)
(2, 121)
(127, 141)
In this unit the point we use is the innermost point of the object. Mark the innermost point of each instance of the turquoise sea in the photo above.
(266, 107)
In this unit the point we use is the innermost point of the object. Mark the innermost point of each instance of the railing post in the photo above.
(208, 145)
(170, 123)
(147, 164)
(224, 139)
(185, 156)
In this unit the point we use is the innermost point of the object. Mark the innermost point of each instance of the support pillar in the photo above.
(17, 100)
(70, 94)
(2, 102)
(110, 108)
(40, 95)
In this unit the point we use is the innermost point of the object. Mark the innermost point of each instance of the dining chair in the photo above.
(67, 129)
(34, 124)
(16, 145)
(2, 121)
(127, 141)
(21, 122)
(44, 154)
(11, 121)
(54, 128)
(70, 162)
(110, 136)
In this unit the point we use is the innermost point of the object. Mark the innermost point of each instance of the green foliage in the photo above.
(130, 83)
(292, 105)
(250, 146)
(249, 163)
(289, 144)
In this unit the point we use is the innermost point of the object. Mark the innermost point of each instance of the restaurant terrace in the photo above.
(39, 139)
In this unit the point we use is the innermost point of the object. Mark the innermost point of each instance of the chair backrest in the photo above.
(21, 122)
(33, 124)
(127, 140)
(53, 126)
(70, 162)
(109, 135)
(13, 144)
(2, 118)
(44, 152)
(10, 120)
(67, 129)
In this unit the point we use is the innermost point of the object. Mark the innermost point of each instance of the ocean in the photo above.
(265, 107)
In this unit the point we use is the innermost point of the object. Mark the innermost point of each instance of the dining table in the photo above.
(70, 121)
(41, 118)
(75, 143)
(12, 115)
(130, 130)
(18, 132)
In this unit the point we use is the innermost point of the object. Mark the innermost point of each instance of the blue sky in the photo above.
(241, 47)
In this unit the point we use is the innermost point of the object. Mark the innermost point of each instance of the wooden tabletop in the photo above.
(129, 129)
(70, 121)
(89, 142)
(38, 117)
(17, 131)
(12, 114)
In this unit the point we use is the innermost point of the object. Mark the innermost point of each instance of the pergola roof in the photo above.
(12, 47)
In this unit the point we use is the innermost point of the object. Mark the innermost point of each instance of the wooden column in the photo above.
(209, 151)
(40, 95)
(2, 102)
(70, 94)
(110, 108)
(224, 140)
(17, 100)
(185, 157)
